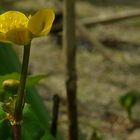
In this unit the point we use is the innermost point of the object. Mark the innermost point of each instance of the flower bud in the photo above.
(10, 85)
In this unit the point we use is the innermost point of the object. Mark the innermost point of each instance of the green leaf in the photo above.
(5, 130)
(32, 128)
(9, 61)
(47, 136)
(34, 79)
(96, 135)
(129, 99)
(31, 80)
(3, 114)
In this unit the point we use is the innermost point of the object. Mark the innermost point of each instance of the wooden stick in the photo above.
(92, 21)
(69, 42)
(55, 113)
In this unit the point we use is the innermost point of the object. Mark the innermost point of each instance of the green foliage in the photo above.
(12, 64)
(8, 95)
(32, 128)
(2, 113)
(82, 136)
(96, 135)
(9, 61)
(47, 136)
(9, 105)
(34, 79)
(31, 80)
(5, 130)
(36, 115)
(128, 100)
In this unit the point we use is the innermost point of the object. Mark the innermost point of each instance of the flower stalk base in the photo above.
(21, 94)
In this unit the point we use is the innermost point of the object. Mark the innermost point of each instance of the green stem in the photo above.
(21, 90)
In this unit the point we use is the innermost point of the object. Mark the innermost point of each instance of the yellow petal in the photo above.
(11, 20)
(41, 23)
(19, 36)
(13, 26)
(2, 37)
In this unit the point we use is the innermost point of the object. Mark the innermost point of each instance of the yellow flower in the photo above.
(20, 29)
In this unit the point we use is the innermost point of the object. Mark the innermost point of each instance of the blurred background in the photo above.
(108, 64)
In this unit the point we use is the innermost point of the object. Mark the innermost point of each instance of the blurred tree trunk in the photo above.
(70, 58)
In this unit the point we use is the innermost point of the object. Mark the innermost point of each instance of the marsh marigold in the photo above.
(20, 29)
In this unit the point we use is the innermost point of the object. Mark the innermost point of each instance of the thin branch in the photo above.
(91, 21)
(55, 114)
(71, 73)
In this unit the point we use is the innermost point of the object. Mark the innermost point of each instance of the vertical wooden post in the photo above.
(70, 58)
